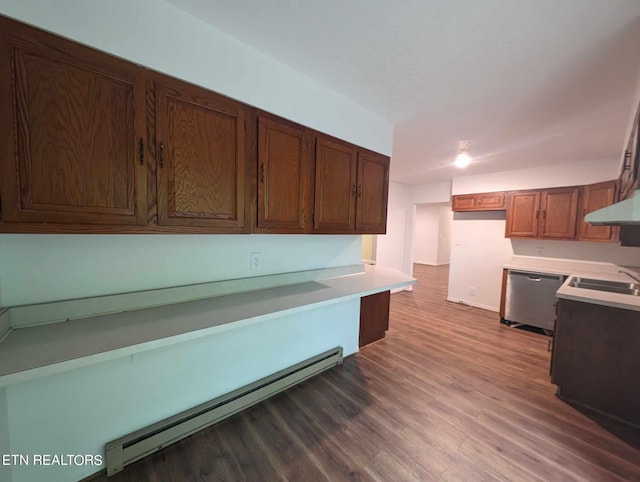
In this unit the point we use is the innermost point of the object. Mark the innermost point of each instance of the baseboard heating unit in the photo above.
(139, 444)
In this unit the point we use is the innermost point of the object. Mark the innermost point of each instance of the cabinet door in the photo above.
(523, 214)
(490, 201)
(374, 317)
(463, 202)
(200, 158)
(559, 213)
(373, 189)
(631, 165)
(486, 201)
(284, 177)
(594, 197)
(73, 134)
(336, 187)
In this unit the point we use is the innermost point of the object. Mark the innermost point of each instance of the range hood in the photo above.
(624, 212)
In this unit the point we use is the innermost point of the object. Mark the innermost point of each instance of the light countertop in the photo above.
(615, 300)
(582, 269)
(36, 351)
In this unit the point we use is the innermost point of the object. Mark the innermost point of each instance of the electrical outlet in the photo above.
(256, 261)
(540, 250)
(472, 290)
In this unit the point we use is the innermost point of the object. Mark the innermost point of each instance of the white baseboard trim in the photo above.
(475, 305)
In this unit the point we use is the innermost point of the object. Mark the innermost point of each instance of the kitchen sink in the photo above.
(603, 285)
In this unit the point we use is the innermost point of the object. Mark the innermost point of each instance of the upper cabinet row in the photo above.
(559, 213)
(348, 192)
(92, 143)
(548, 213)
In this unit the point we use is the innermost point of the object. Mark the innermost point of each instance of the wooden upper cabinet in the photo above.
(463, 202)
(336, 186)
(284, 176)
(628, 180)
(486, 201)
(373, 189)
(548, 214)
(200, 155)
(73, 134)
(90, 143)
(594, 197)
(523, 214)
(559, 213)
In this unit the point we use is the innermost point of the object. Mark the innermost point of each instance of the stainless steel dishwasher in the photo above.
(531, 298)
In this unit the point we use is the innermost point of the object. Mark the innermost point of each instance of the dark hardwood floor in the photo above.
(449, 394)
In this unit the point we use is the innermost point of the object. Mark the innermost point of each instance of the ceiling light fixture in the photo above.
(463, 159)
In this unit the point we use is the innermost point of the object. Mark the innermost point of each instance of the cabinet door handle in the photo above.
(627, 157)
(141, 151)
(537, 214)
(359, 190)
(355, 189)
(262, 172)
(161, 154)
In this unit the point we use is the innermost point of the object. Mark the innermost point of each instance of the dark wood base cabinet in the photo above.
(596, 358)
(374, 317)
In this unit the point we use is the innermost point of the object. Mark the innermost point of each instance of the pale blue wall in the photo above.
(81, 410)
(37, 268)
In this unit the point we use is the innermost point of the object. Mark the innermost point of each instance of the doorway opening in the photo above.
(431, 244)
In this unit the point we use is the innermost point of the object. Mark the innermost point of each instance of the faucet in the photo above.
(634, 276)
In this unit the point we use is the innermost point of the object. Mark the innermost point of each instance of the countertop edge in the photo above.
(338, 289)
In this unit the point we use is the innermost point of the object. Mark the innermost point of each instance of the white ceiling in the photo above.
(528, 82)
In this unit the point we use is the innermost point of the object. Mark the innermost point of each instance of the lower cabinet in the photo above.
(595, 360)
(374, 317)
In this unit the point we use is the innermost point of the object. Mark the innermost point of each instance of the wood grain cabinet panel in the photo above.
(463, 202)
(90, 143)
(284, 176)
(74, 133)
(487, 201)
(596, 355)
(200, 158)
(594, 197)
(523, 214)
(351, 189)
(336, 186)
(374, 317)
(373, 188)
(546, 214)
(559, 213)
